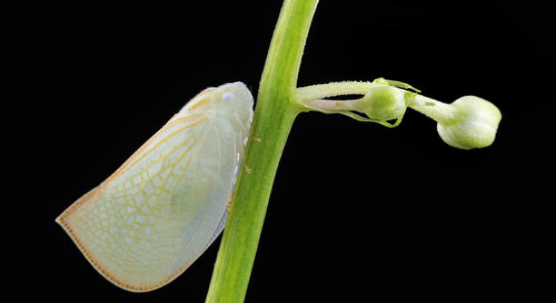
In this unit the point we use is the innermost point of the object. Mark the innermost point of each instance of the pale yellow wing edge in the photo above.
(64, 220)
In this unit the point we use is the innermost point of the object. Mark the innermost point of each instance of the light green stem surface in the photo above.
(332, 89)
(438, 111)
(274, 115)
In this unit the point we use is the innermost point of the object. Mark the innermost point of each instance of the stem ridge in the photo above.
(275, 113)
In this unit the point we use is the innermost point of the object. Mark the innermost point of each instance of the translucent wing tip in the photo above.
(67, 221)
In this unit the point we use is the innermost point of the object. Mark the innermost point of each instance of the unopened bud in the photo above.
(474, 124)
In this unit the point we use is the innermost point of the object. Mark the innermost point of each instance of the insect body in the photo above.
(154, 216)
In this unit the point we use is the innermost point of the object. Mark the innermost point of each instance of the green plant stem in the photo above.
(274, 116)
(332, 89)
(438, 111)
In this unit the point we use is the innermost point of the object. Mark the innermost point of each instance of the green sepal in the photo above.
(395, 83)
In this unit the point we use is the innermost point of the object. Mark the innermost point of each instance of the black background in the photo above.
(359, 212)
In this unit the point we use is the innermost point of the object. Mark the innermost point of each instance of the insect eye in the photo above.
(227, 97)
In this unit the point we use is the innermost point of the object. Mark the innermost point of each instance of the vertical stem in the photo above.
(274, 116)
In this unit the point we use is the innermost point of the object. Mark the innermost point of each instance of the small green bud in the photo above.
(385, 103)
(473, 125)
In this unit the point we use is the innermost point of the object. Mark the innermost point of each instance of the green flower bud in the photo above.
(473, 124)
(384, 103)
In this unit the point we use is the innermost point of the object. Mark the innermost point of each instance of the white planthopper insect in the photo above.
(152, 218)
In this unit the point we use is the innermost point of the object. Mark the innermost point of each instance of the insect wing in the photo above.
(154, 216)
